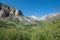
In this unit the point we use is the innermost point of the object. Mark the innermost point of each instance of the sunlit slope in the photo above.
(47, 30)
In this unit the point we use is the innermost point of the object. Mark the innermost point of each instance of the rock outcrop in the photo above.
(6, 10)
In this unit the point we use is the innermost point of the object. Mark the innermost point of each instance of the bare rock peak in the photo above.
(6, 10)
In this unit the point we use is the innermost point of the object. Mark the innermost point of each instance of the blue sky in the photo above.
(35, 7)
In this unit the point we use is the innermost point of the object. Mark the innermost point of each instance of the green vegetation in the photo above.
(44, 31)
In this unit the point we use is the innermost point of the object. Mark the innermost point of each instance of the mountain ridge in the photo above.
(10, 13)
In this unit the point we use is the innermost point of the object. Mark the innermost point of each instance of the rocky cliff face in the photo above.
(6, 10)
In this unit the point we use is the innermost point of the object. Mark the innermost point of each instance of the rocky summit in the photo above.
(6, 11)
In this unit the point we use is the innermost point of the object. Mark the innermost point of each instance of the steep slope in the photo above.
(6, 10)
(9, 13)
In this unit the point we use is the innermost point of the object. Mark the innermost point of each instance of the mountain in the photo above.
(50, 16)
(34, 18)
(9, 13)
(6, 10)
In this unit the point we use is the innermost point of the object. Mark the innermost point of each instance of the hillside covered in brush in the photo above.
(47, 30)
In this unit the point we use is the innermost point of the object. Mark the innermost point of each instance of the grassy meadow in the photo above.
(48, 30)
